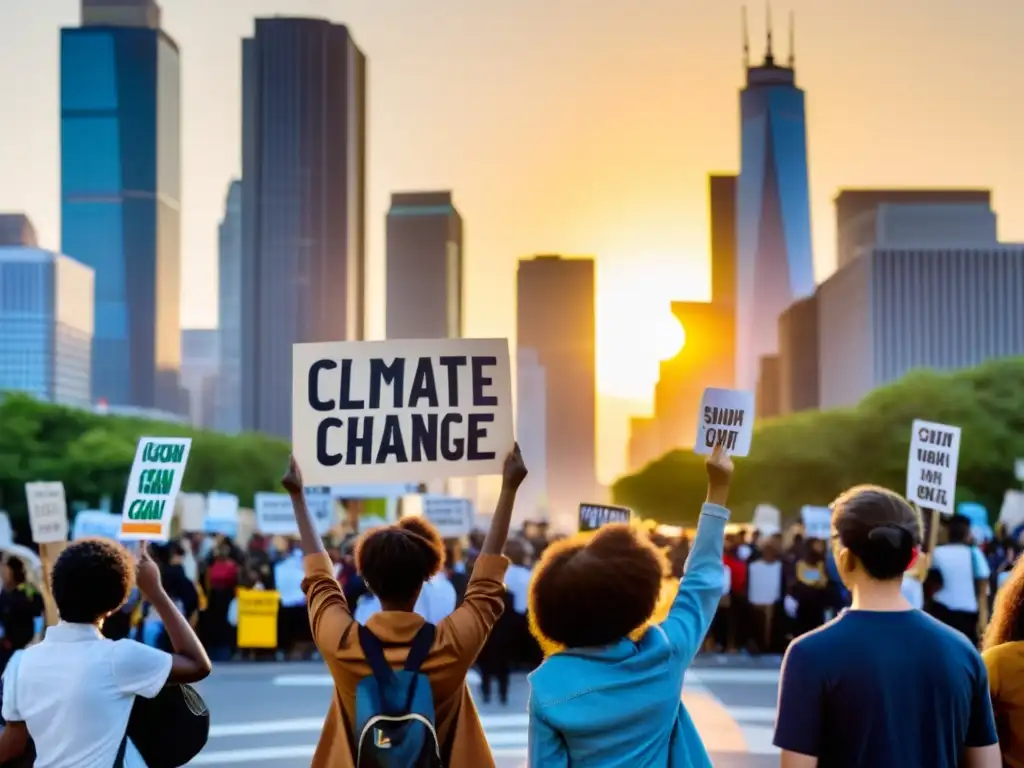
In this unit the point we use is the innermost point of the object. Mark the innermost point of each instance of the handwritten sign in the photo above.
(153, 488)
(47, 512)
(932, 465)
(817, 522)
(401, 411)
(594, 516)
(726, 418)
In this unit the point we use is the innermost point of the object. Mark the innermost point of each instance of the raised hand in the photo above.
(147, 574)
(292, 480)
(514, 471)
(719, 468)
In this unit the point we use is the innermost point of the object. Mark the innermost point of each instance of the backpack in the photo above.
(171, 728)
(394, 725)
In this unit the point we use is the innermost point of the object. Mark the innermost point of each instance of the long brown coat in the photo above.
(458, 641)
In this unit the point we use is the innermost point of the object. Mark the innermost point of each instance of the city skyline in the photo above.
(651, 241)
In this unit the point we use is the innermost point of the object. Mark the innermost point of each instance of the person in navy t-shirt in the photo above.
(882, 685)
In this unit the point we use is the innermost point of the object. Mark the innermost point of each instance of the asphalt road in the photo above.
(269, 715)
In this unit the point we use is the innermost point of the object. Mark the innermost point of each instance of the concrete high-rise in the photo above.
(555, 319)
(303, 203)
(120, 103)
(531, 434)
(775, 262)
(200, 362)
(46, 325)
(424, 266)
(229, 375)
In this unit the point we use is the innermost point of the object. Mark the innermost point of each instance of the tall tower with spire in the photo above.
(773, 222)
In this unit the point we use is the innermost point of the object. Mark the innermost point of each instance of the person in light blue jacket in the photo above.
(607, 700)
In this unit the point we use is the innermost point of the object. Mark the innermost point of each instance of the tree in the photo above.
(811, 457)
(92, 455)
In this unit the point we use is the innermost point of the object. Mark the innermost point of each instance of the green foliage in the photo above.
(92, 455)
(811, 457)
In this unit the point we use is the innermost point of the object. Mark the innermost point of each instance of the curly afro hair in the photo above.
(91, 579)
(395, 560)
(595, 591)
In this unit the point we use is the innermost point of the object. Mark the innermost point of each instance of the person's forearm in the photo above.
(309, 538)
(718, 494)
(494, 544)
(183, 638)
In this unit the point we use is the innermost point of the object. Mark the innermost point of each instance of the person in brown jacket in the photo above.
(395, 561)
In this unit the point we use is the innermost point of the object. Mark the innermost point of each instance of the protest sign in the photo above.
(401, 411)
(191, 512)
(153, 488)
(221, 514)
(257, 618)
(47, 512)
(275, 517)
(96, 522)
(767, 519)
(593, 516)
(1018, 469)
(817, 522)
(726, 418)
(452, 517)
(931, 467)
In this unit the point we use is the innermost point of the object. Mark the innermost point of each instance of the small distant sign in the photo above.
(594, 516)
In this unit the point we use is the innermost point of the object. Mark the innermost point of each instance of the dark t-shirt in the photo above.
(886, 690)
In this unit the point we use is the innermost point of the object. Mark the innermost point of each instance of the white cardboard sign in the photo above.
(401, 411)
(153, 488)
(594, 516)
(96, 522)
(932, 465)
(452, 517)
(726, 417)
(817, 522)
(767, 519)
(47, 512)
(275, 517)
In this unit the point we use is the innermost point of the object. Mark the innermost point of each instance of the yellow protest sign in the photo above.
(257, 618)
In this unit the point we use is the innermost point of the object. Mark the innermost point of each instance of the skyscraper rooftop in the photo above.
(121, 13)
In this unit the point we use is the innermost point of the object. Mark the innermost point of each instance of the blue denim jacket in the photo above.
(621, 705)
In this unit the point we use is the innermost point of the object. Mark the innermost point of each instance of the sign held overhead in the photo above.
(932, 465)
(726, 418)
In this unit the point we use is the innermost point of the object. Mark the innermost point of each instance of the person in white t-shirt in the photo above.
(764, 592)
(436, 601)
(965, 576)
(72, 694)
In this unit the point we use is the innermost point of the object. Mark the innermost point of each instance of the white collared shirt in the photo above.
(437, 599)
(288, 576)
(74, 691)
(517, 582)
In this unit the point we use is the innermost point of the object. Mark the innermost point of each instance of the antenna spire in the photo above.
(769, 56)
(746, 39)
(792, 40)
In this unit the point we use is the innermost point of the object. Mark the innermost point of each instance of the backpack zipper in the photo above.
(396, 719)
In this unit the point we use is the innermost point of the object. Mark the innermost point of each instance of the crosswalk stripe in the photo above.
(325, 681)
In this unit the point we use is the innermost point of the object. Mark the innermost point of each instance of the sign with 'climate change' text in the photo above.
(400, 411)
(153, 488)
(931, 467)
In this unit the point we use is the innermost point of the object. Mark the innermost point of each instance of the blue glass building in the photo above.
(120, 193)
(773, 223)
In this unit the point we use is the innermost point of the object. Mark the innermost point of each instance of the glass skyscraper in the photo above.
(773, 223)
(120, 192)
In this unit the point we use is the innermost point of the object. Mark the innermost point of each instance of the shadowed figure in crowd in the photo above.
(882, 685)
(1004, 660)
(395, 562)
(606, 699)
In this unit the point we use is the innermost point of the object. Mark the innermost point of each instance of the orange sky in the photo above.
(574, 126)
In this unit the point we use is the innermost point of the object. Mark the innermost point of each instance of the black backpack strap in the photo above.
(119, 760)
(373, 650)
(420, 648)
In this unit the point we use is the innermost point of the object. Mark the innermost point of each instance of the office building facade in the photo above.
(120, 105)
(200, 364)
(531, 434)
(911, 217)
(767, 394)
(894, 310)
(17, 229)
(424, 267)
(303, 203)
(556, 319)
(229, 326)
(774, 257)
(798, 357)
(46, 325)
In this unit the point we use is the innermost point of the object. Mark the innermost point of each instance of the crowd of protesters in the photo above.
(608, 621)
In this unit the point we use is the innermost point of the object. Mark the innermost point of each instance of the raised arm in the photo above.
(329, 615)
(701, 587)
(467, 627)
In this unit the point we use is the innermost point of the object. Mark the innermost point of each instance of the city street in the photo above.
(269, 715)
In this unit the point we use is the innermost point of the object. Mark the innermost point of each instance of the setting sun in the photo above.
(667, 336)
